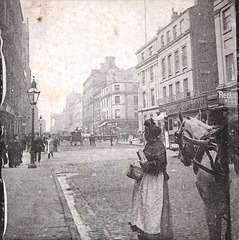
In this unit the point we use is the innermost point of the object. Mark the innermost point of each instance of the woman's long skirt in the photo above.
(151, 213)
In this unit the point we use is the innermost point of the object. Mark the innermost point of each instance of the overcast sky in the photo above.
(69, 38)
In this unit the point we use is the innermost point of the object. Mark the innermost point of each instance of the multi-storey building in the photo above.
(226, 39)
(119, 103)
(225, 12)
(91, 95)
(71, 117)
(15, 111)
(178, 67)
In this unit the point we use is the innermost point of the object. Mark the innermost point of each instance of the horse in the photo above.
(202, 146)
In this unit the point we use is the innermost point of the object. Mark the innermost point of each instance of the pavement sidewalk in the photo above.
(36, 207)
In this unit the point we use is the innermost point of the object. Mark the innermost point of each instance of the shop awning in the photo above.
(161, 116)
(102, 124)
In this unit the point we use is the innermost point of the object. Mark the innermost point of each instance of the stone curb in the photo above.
(67, 214)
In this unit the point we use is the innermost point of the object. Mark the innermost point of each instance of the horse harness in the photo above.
(205, 144)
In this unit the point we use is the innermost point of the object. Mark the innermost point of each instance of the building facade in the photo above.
(119, 103)
(178, 67)
(91, 95)
(226, 18)
(15, 113)
(71, 117)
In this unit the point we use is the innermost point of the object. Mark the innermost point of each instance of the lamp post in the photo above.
(40, 120)
(33, 94)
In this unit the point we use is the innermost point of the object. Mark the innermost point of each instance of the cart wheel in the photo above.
(3, 207)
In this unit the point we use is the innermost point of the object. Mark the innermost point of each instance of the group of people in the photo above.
(12, 149)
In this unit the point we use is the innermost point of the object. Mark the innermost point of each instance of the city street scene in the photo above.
(119, 120)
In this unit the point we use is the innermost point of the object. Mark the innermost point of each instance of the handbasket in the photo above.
(135, 172)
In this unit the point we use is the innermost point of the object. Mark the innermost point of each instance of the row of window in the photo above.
(106, 90)
(176, 31)
(152, 98)
(170, 36)
(177, 91)
(177, 88)
(105, 102)
(117, 114)
(168, 61)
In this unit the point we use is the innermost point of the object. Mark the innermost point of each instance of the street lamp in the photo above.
(40, 120)
(33, 94)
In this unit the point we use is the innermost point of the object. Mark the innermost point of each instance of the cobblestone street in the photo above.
(102, 186)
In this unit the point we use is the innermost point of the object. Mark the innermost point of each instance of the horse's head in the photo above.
(193, 128)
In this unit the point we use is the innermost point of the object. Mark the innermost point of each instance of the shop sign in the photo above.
(228, 98)
(190, 104)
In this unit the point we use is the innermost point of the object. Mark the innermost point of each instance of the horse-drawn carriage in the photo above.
(76, 136)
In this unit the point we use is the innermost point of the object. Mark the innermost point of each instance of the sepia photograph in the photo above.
(119, 120)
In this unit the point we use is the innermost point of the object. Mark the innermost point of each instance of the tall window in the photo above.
(170, 124)
(143, 77)
(226, 19)
(142, 56)
(184, 56)
(117, 87)
(117, 99)
(185, 85)
(162, 41)
(163, 68)
(174, 31)
(135, 100)
(164, 92)
(168, 36)
(230, 68)
(177, 87)
(150, 51)
(151, 73)
(117, 113)
(170, 90)
(181, 26)
(176, 60)
(144, 99)
(169, 64)
(152, 97)
(136, 115)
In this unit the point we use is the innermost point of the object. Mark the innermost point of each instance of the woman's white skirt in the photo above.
(151, 213)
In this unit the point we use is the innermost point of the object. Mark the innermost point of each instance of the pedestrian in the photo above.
(55, 143)
(38, 143)
(130, 138)
(23, 141)
(50, 147)
(151, 213)
(111, 140)
(14, 152)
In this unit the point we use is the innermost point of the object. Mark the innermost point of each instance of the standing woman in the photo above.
(151, 213)
(50, 146)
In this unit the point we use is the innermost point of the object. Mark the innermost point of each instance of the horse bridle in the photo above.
(205, 144)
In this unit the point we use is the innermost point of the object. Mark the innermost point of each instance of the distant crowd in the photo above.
(12, 149)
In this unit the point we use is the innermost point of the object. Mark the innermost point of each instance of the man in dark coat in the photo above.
(14, 152)
(38, 147)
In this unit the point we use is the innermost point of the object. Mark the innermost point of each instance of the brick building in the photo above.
(119, 103)
(177, 69)
(15, 111)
